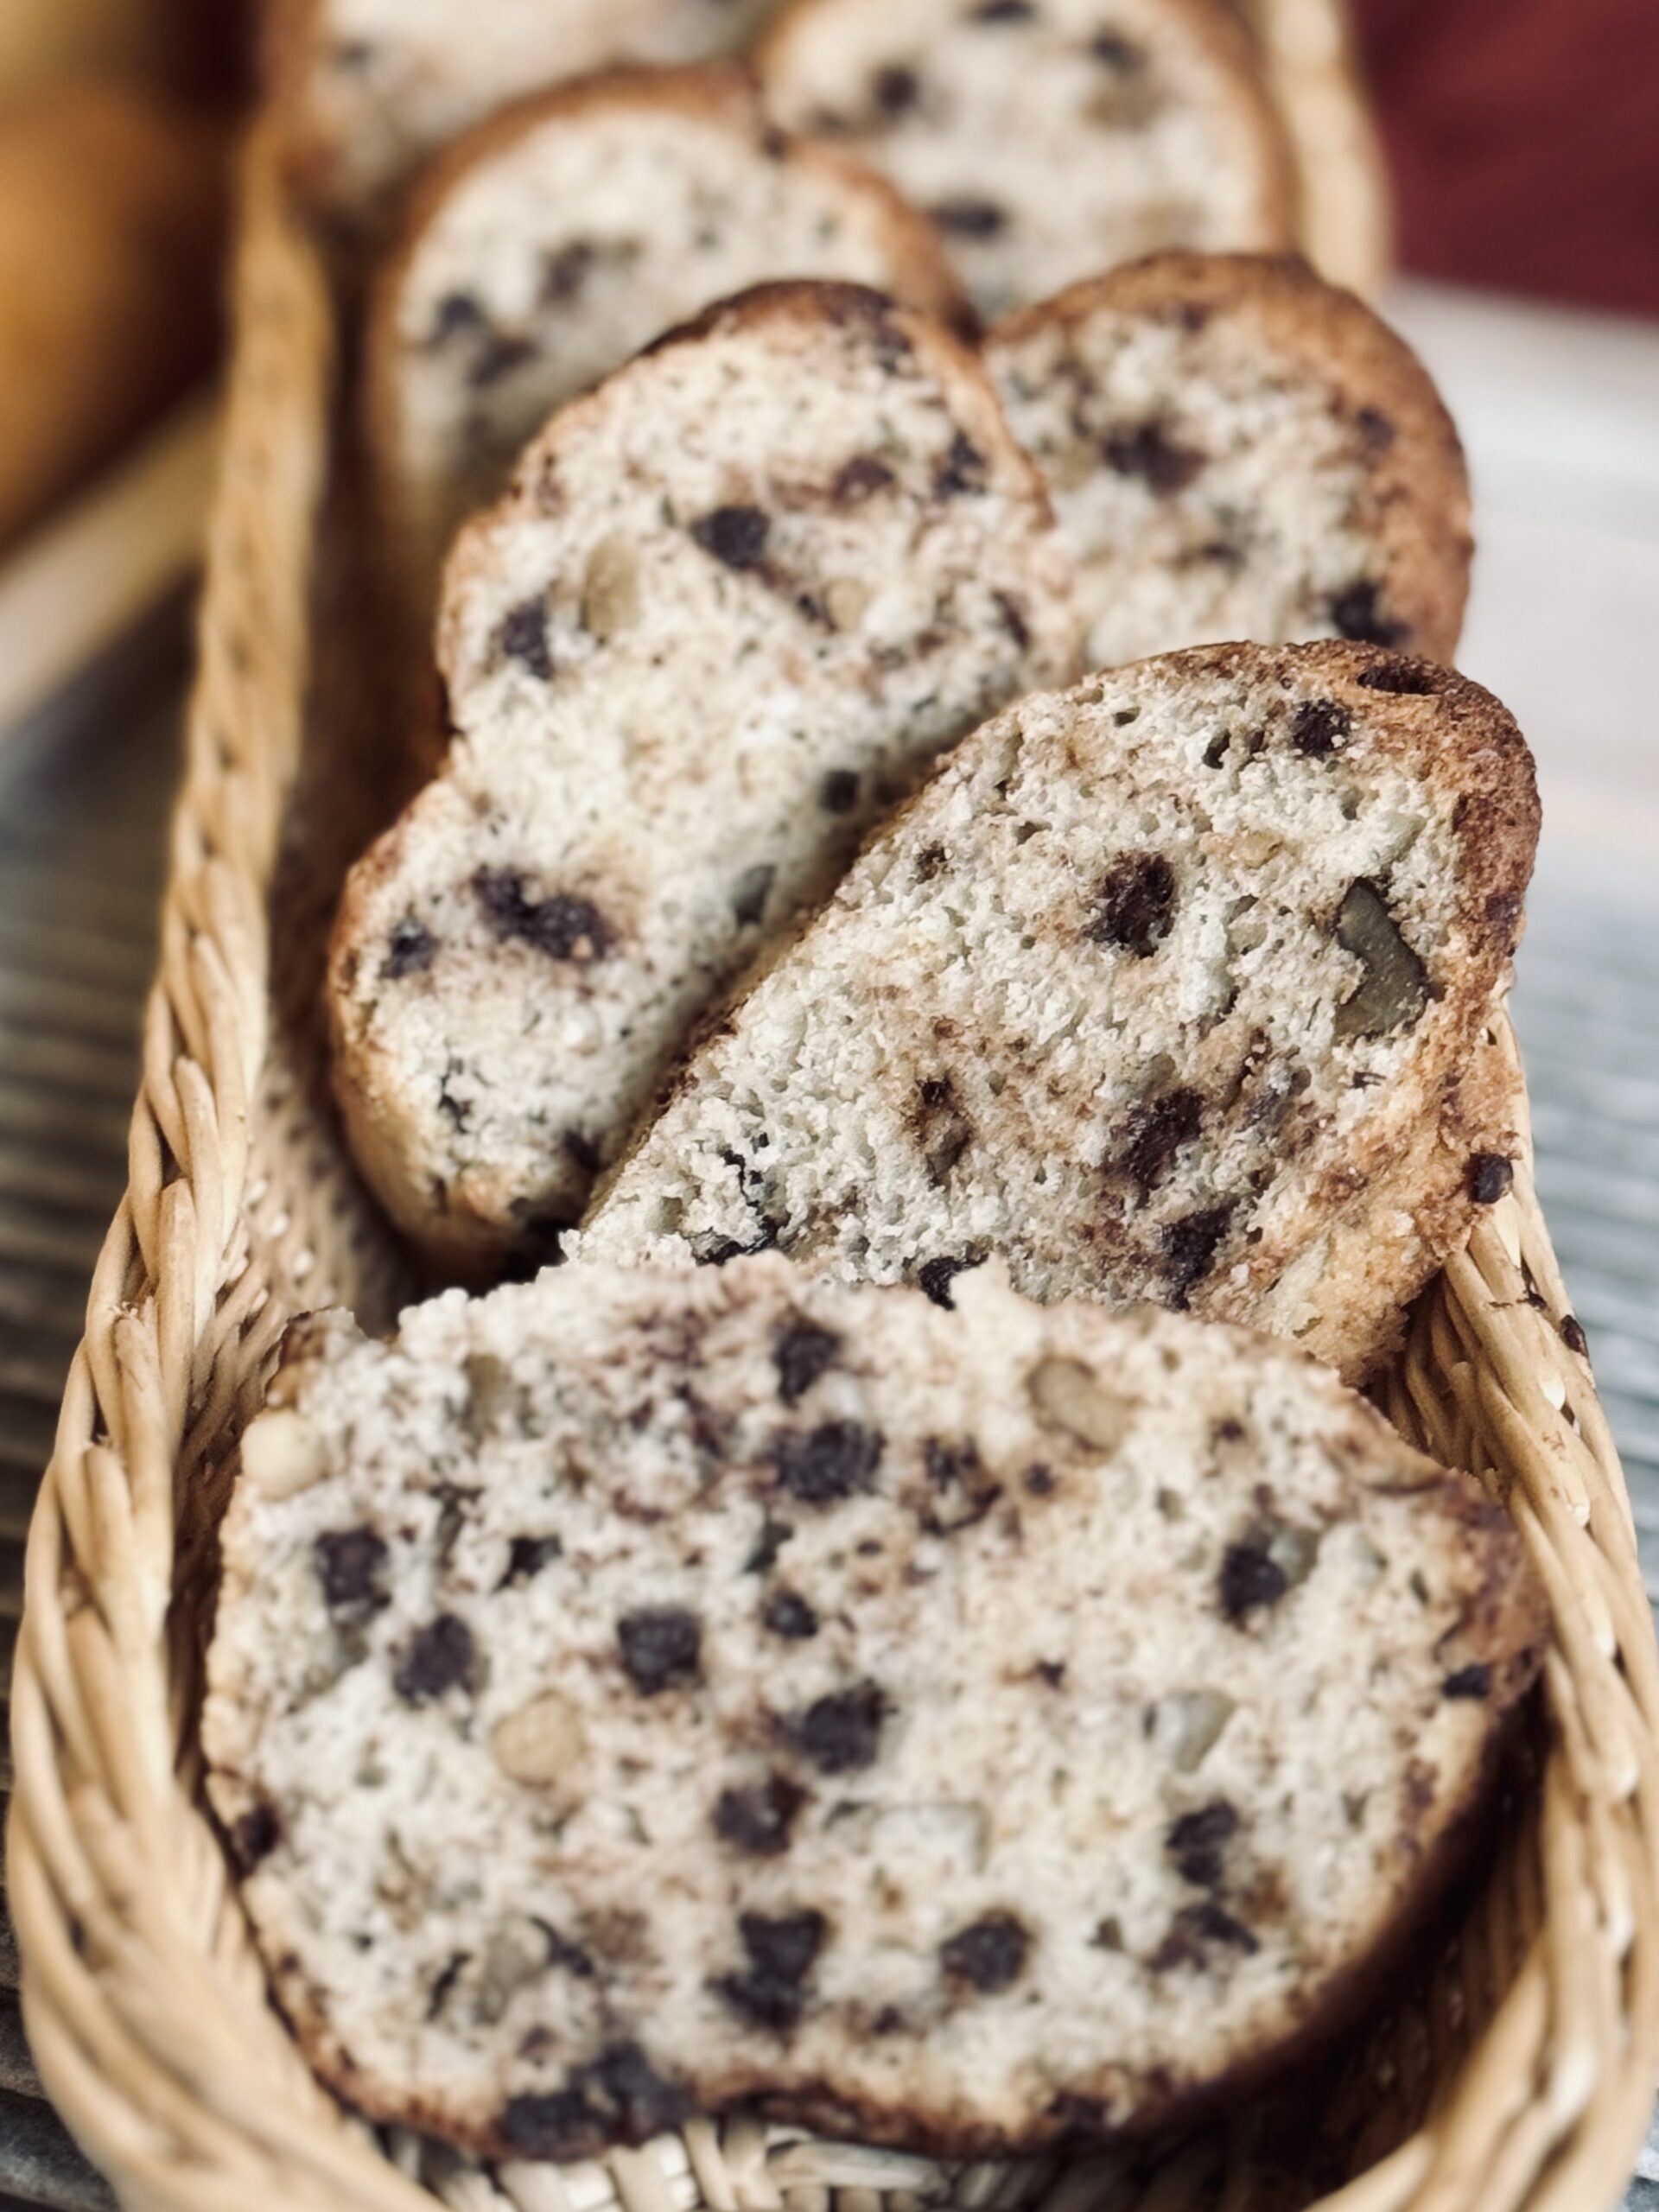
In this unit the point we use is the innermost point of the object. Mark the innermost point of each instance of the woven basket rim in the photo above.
(143, 2000)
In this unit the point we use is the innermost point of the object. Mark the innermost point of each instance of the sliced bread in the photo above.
(370, 88)
(552, 243)
(633, 1694)
(733, 604)
(1236, 449)
(1047, 138)
(1179, 985)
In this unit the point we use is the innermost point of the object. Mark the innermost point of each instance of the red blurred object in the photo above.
(1523, 139)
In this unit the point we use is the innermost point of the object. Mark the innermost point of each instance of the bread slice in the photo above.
(1235, 449)
(638, 1694)
(1047, 141)
(734, 603)
(550, 244)
(370, 88)
(1177, 986)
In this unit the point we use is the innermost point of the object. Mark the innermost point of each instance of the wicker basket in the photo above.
(1519, 2073)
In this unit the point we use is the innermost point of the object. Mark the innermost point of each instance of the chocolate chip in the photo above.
(641, 2104)
(1151, 1135)
(1573, 1337)
(256, 1835)
(1134, 906)
(1194, 1926)
(735, 536)
(1249, 1579)
(1490, 1177)
(759, 1820)
(562, 927)
(409, 951)
(448, 1975)
(934, 1277)
(838, 793)
(1148, 451)
(1195, 1842)
(620, 2098)
(1013, 619)
(1356, 613)
(895, 88)
(841, 1731)
(801, 1351)
(499, 359)
(565, 1955)
(962, 470)
(562, 2125)
(1189, 1246)
(1409, 679)
(1040, 1480)
(457, 311)
(350, 1562)
(1116, 52)
(1003, 11)
(788, 1615)
(857, 480)
(1394, 982)
(749, 893)
(564, 273)
(524, 638)
(967, 218)
(1379, 431)
(989, 1954)
(782, 1949)
(1318, 726)
(823, 1465)
(726, 1248)
(526, 1557)
(439, 1658)
(774, 1536)
(1469, 1682)
(661, 1645)
(950, 1464)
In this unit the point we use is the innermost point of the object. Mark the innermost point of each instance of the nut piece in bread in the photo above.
(1235, 449)
(551, 242)
(950, 1730)
(1047, 141)
(1180, 985)
(736, 602)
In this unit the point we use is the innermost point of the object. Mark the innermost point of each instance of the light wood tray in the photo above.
(1518, 2074)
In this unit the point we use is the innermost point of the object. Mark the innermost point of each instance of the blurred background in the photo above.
(1521, 139)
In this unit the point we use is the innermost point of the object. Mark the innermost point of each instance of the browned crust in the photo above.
(724, 93)
(1212, 30)
(1506, 1625)
(1418, 476)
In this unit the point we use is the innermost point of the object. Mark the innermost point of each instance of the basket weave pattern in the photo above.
(1520, 2076)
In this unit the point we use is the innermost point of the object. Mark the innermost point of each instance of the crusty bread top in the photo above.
(1177, 985)
(1237, 449)
(636, 1693)
(734, 603)
(552, 241)
(370, 87)
(1048, 142)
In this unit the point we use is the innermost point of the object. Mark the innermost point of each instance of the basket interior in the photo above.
(323, 1242)
(1516, 2071)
